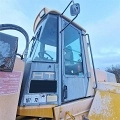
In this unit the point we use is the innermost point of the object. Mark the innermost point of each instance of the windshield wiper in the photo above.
(34, 39)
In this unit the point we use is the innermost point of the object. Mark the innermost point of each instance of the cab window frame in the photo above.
(80, 49)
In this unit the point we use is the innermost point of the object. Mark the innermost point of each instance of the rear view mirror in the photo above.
(8, 50)
(75, 9)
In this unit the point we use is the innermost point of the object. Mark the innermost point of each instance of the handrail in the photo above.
(92, 59)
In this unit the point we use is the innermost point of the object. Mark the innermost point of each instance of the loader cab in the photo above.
(57, 69)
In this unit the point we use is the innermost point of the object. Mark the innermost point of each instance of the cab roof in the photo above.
(46, 11)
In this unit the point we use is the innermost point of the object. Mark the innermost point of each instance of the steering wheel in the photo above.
(46, 54)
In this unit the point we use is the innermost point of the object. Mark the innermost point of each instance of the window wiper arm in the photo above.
(34, 39)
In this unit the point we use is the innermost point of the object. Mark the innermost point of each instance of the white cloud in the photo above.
(10, 13)
(105, 40)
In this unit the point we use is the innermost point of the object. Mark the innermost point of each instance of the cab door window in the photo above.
(72, 51)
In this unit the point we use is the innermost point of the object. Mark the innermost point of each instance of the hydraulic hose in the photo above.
(20, 29)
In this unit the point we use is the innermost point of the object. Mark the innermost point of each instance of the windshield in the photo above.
(44, 47)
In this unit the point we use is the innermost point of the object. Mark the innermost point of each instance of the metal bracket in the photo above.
(70, 115)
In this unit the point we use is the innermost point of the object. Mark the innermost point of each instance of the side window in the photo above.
(45, 45)
(72, 52)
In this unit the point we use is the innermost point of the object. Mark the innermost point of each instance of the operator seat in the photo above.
(68, 55)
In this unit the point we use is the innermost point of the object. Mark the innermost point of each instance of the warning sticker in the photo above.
(9, 82)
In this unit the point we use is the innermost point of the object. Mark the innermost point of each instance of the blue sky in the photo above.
(100, 18)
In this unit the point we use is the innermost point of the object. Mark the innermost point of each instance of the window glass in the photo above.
(72, 51)
(45, 44)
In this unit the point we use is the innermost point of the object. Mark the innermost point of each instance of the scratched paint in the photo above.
(100, 106)
(106, 104)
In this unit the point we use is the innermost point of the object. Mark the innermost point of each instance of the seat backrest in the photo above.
(68, 55)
